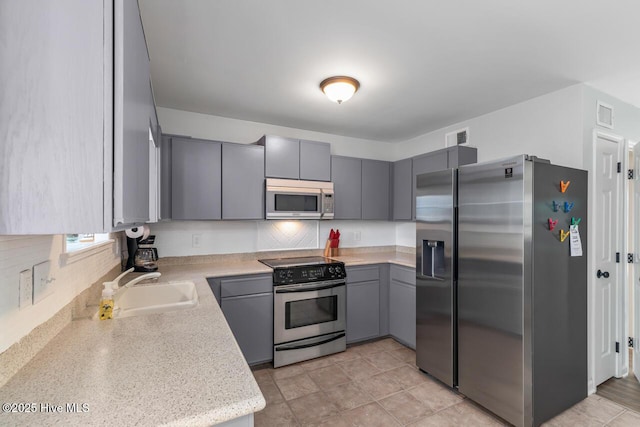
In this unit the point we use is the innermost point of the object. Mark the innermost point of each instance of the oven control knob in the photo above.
(331, 270)
(338, 269)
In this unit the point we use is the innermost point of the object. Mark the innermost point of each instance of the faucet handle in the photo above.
(115, 282)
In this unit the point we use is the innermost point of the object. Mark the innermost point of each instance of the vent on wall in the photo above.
(458, 137)
(604, 115)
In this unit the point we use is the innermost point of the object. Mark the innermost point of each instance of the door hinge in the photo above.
(617, 347)
(630, 174)
(630, 342)
(617, 256)
(630, 258)
(619, 167)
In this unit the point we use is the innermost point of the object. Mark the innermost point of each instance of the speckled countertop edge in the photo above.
(136, 370)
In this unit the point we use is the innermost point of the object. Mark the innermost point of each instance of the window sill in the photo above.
(75, 256)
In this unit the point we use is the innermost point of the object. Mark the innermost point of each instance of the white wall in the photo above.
(18, 253)
(548, 126)
(231, 130)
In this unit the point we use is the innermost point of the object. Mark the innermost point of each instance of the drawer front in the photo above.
(362, 274)
(246, 285)
(403, 274)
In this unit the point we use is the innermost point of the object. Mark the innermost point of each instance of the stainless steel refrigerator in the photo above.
(502, 286)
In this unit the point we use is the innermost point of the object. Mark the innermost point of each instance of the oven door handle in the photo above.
(308, 289)
(314, 344)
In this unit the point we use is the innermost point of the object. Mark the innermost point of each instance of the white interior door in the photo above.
(606, 220)
(636, 260)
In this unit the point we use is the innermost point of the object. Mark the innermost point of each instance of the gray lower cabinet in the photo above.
(402, 305)
(346, 174)
(247, 304)
(402, 190)
(196, 181)
(375, 189)
(315, 161)
(363, 303)
(242, 181)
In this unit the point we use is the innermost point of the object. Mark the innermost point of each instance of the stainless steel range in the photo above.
(309, 308)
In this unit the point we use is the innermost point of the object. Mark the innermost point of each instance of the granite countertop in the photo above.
(174, 368)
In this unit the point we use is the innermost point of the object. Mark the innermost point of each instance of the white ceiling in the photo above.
(422, 64)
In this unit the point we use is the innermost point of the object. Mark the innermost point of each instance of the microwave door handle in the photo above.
(301, 346)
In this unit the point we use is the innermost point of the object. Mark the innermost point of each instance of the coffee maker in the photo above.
(143, 257)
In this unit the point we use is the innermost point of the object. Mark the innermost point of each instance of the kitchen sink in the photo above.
(160, 298)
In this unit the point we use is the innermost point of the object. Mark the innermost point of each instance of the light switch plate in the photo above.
(42, 281)
(26, 289)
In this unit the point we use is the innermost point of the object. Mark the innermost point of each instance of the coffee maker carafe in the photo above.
(143, 257)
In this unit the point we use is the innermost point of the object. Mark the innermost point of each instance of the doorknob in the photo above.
(604, 274)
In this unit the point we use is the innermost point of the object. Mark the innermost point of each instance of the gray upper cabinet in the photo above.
(402, 190)
(242, 181)
(446, 158)
(315, 161)
(296, 159)
(79, 99)
(375, 189)
(133, 102)
(346, 174)
(196, 179)
(165, 177)
(281, 157)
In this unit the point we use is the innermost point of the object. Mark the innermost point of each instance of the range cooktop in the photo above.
(298, 261)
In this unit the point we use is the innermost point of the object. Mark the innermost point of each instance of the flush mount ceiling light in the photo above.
(339, 88)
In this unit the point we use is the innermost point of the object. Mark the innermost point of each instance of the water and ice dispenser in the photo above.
(433, 264)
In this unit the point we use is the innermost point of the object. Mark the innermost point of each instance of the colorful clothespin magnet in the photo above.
(563, 235)
(564, 186)
(555, 206)
(552, 224)
(575, 221)
(568, 206)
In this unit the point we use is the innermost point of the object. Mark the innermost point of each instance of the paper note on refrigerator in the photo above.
(574, 241)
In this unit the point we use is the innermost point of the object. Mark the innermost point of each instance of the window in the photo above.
(77, 242)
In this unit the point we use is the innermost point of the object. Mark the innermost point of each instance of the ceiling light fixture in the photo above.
(339, 88)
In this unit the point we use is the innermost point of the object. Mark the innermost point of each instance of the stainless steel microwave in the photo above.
(290, 198)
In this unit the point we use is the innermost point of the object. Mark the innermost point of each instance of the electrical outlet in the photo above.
(26, 289)
(357, 236)
(196, 240)
(42, 281)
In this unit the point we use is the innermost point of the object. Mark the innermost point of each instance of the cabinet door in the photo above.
(165, 177)
(375, 189)
(402, 190)
(315, 161)
(431, 162)
(363, 310)
(282, 157)
(242, 181)
(195, 179)
(52, 117)
(250, 318)
(346, 174)
(402, 312)
(132, 99)
(458, 156)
